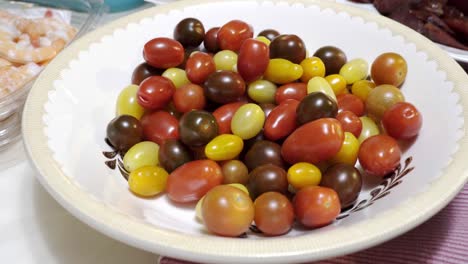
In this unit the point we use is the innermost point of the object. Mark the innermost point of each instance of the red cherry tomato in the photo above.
(295, 91)
(155, 92)
(313, 142)
(350, 122)
(253, 59)
(350, 102)
(402, 121)
(233, 34)
(224, 116)
(274, 213)
(379, 155)
(189, 97)
(316, 206)
(191, 181)
(159, 126)
(163, 53)
(199, 66)
(281, 121)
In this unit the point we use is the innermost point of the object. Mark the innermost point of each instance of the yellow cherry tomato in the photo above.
(127, 103)
(312, 67)
(140, 155)
(225, 60)
(355, 70)
(319, 84)
(248, 121)
(262, 91)
(224, 147)
(263, 39)
(177, 76)
(349, 150)
(337, 83)
(369, 128)
(304, 174)
(362, 88)
(148, 181)
(282, 71)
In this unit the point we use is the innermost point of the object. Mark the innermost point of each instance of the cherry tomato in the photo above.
(224, 147)
(199, 66)
(348, 152)
(163, 53)
(362, 89)
(227, 211)
(127, 102)
(232, 34)
(287, 91)
(369, 128)
(382, 98)
(354, 70)
(189, 182)
(253, 59)
(402, 121)
(189, 97)
(350, 122)
(248, 121)
(224, 87)
(267, 178)
(211, 40)
(337, 83)
(333, 58)
(316, 206)
(312, 67)
(235, 171)
(197, 128)
(389, 68)
(155, 92)
(379, 155)
(147, 181)
(263, 152)
(282, 121)
(224, 115)
(189, 32)
(282, 71)
(304, 174)
(124, 131)
(159, 126)
(143, 71)
(350, 102)
(141, 154)
(346, 180)
(274, 214)
(270, 34)
(313, 142)
(319, 84)
(288, 47)
(314, 106)
(177, 76)
(172, 154)
(262, 91)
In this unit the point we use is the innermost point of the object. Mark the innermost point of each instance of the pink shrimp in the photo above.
(13, 78)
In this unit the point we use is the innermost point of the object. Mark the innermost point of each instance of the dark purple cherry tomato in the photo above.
(189, 32)
(379, 155)
(211, 40)
(232, 34)
(143, 71)
(124, 131)
(224, 87)
(402, 121)
(173, 154)
(224, 115)
(282, 121)
(313, 142)
(189, 97)
(350, 122)
(199, 66)
(296, 91)
(350, 102)
(274, 214)
(155, 92)
(191, 181)
(163, 53)
(333, 58)
(159, 126)
(346, 180)
(289, 47)
(253, 59)
(270, 34)
(263, 152)
(197, 128)
(267, 178)
(314, 106)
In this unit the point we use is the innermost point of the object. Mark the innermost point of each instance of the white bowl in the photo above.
(68, 109)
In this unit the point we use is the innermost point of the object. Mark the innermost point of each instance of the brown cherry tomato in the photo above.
(211, 40)
(289, 47)
(159, 126)
(189, 32)
(333, 58)
(235, 171)
(274, 213)
(267, 178)
(224, 87)
(155, 92)
(313, 142)
(350, 122)
(402, 121)
(173, 154)
(314, 106)
(389, 68)
(282, 121)
(287, 91)
(224, 115)
(143, 71)
(350, 102)
(232, 34)
(199, 66)
(346, 180)
(316, 206)
(263, 152)
(163, 53)
(191, 181)
(379, 155)
(270, 34)
(253, 59)
(189, 97)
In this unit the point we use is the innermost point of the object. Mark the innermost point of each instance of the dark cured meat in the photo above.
(438, 35)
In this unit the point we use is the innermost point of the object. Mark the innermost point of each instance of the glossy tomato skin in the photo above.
(190, 32)
(289, 47)
(274, 214)
(350, 122)
(346, 180)
(402, 121)
(313, 142)
(224, 87)
(253, 59)
(314, 106)
(316, 206)
(189, 97)
(173, 154)
(379, 155)
(227, 211)
(191, 181)
(232, 34)
(124, 131)
(211, 40)
(267, 178)
(287, 91)
(199, 66)
(333, 58)
(159, 126)
(263, 152)
(163, 53)
(224, 115)
(282, 120)
(350, 102)
(143, 71)
(197, 128)
(155, 92)
(389, 68)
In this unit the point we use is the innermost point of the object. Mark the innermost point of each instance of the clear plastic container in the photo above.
(85, 15)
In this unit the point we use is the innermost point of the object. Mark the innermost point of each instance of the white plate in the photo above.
(68, 109)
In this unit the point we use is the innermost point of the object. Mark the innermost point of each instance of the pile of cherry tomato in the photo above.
(255, 130)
